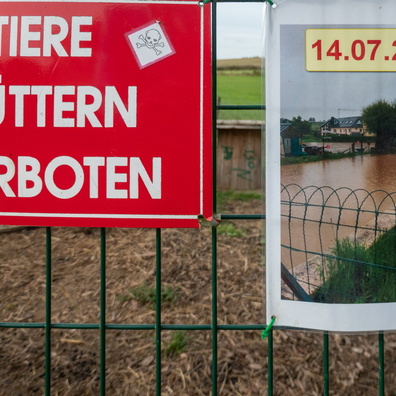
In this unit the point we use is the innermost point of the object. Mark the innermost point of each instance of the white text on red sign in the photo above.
(26, 40)
(113, 172)
(88, 101)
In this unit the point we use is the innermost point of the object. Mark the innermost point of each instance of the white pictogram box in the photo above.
(150, 44)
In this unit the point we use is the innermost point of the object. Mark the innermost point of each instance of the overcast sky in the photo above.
(239, 30)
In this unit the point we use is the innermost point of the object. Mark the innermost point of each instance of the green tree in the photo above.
(303, 126)
(380, 119)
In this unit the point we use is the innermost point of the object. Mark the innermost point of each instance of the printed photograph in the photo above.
(338, 157)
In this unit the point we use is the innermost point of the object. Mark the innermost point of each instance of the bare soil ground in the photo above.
(130, 355)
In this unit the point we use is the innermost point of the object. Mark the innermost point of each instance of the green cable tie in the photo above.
(271, 3)
(265, 332)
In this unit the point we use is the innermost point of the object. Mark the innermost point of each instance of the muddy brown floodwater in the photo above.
(367, 174)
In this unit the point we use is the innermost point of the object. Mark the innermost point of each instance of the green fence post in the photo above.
(381, 365)
(270, 357)
(103, 312)
(214, 311)
(48, 292)
(158, 287)
(326, 364)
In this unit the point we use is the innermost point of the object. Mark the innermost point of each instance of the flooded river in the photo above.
(315, 219)
(366, 171)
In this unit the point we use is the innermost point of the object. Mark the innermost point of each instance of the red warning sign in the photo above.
(105, 113)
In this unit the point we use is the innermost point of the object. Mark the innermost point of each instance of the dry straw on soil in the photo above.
(242, 355)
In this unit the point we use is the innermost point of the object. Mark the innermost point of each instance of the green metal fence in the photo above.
(345, 241)
(105, 327)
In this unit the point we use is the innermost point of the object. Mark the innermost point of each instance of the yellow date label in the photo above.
(350, 50)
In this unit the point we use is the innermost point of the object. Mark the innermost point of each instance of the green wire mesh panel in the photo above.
(165, 312)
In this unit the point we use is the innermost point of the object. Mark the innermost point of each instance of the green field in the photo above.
(239, 86)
